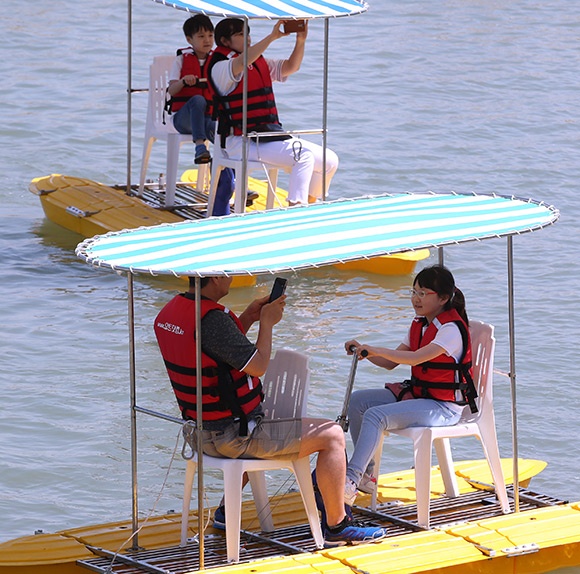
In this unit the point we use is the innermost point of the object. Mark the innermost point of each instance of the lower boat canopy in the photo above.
(312, 236)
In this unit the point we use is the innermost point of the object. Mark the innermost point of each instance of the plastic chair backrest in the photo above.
(482, 353)
(158, 82)
(285, 385)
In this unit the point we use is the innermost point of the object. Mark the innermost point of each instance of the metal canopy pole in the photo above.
(241, 201)
(133, 400)
(510, 262)
(129, 89)
(199, 422)
(324, 108)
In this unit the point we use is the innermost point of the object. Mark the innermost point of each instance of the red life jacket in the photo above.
(441, 377)
(191, 65)
(261, 103)
(227, 392)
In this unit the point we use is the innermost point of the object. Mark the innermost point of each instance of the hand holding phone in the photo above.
(294, 26)
(278, 288)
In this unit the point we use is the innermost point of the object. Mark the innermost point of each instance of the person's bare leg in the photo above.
(327, 439)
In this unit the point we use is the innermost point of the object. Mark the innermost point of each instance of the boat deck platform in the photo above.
(189, 203)
(399, 520)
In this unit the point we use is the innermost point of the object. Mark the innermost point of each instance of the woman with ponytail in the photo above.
(438, 349)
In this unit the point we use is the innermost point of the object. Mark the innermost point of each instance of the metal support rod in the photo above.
(324, 109)
(342, 419)
(133, 399)
(199, 415)
(158, 415)
(140, 565)
(241, 201)
(129, 90)
(274, 542)
(441, 256)
(511, 313)
(366, 512)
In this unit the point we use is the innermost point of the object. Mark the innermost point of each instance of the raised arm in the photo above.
(270, 315)
(257, 49)
(293, 63)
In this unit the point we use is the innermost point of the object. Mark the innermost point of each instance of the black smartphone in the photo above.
(278, 288)
(294, 26)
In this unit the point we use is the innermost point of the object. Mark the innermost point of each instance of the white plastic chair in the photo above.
(156, 129)
(286, 389)
(480, 424)
(221, 160)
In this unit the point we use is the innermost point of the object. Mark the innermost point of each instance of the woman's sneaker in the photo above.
(350, 492)
(219, 518)
(368, 484)
(351, 532)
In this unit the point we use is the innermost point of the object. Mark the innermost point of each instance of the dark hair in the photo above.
(196, 23)
(202, 282)
(227, 27)
(439, 279)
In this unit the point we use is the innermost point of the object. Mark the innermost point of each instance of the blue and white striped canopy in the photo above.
(321, 234)
(271, 9)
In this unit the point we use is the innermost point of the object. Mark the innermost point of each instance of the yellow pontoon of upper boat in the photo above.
(91, 208)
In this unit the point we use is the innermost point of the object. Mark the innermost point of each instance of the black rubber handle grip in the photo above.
(364, 352)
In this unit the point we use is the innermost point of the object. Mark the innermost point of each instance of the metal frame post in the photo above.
(133, 401)
(199, 422)
(325, 107)
(511, 315)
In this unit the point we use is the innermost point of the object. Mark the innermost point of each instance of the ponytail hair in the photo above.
(457, 302)
(439, 279)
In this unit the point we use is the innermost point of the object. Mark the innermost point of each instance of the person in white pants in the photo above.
(302, 158)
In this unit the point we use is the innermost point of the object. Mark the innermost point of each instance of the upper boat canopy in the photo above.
(321, 234)
(270, 9)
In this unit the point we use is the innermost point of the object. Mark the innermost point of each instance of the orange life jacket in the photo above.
(191, 65)
(226, 392)
(441, 377)
(261, 108)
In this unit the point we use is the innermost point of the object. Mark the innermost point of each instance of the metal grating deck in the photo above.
(398, 520)
(189, 203)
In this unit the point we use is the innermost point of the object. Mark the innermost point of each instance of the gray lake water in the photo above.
(463, 95)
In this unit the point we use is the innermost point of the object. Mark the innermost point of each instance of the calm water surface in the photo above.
(459, 95)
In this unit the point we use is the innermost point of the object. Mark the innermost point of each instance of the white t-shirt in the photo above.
(448, 337)
(226, 82)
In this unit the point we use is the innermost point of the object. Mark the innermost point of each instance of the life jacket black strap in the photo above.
(191, 390)
(191, 371)
(226, 388)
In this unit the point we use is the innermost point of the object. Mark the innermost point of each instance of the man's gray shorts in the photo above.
(267, 439)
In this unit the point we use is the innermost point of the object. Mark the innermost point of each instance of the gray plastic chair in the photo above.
(480, 424)
(286, 390)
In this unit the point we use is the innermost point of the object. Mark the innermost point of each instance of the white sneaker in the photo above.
(350, 492)
(368, 484)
